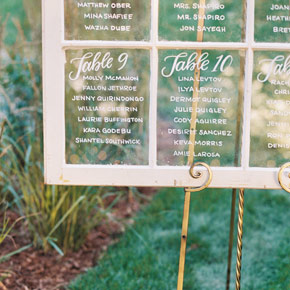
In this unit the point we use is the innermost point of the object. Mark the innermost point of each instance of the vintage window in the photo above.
(120, 80)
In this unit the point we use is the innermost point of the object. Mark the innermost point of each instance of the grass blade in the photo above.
(6, 257)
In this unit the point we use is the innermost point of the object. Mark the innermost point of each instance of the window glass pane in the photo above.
(107, 106)
(272, 21)
(270, 122)
(219, 92)
(223, 20)
(107, 20)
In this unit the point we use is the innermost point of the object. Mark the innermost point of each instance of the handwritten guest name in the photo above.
(280, 7)
(104, 5)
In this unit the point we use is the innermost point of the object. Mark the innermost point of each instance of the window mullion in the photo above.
(245, 152)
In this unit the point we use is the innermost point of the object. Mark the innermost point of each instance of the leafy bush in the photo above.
(20, 82)
(5, 229)
(58, 217)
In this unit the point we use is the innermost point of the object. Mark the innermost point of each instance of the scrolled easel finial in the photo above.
(198, 174)
(280, 175)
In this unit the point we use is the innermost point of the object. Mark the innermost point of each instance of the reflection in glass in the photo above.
(107, 20)
(272, 21)
(223, 20)
(217, 113)
(107, 106)
(270, 125)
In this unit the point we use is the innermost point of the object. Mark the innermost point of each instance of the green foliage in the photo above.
(20, 83)
(5, 228)
(147, 255)
(58, 217)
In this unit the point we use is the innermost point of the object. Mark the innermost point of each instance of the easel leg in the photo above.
(231, 237)
(240, 237)
(183, 239)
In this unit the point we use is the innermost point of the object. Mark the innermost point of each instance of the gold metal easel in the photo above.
(198, 174)
(239, 242)
(186, 208)
(236, 160)
(240, 222)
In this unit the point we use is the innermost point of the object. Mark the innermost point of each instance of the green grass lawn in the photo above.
(147, 255)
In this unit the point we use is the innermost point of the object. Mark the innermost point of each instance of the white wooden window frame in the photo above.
(56, 169)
